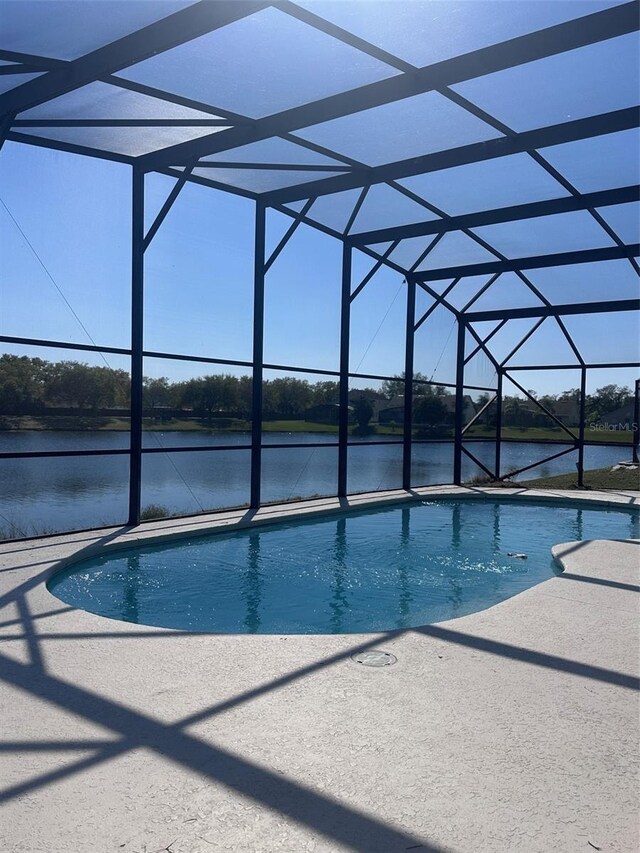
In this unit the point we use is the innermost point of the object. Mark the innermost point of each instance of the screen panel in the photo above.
(54, 399)
(51, 495)
(414, 126)
(265, 63)
(298, 473)
(598, 78)
(65, 242)
(187, 483)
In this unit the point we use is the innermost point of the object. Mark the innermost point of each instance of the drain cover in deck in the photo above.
(374, 657)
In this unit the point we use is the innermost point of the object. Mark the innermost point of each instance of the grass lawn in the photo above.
(548, 434)
(107, 424)
(104, 424)
(598, 478)
(308, 426)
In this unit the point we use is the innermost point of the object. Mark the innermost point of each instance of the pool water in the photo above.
(373, 570)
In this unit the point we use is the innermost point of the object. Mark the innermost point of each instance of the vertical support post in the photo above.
(258, 355)
(137, 343)
(343, 413)
(408, 385)
(5, 127)
(459, 412)
(635, 426)
(583, 403)
(636, 422)
(499, 424)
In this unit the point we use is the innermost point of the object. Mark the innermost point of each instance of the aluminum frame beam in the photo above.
(458, 447)
(408, 385)
(545, 311)
(581, 425)
(345, 333)
(68, 147)
(561, 259)
(166, 207)
(258, 355)
(540, 462)
(502, 146)
(636, 421)
(137, 358)
(514, 213)
(122, 122)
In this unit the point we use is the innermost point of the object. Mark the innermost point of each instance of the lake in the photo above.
(52, 494)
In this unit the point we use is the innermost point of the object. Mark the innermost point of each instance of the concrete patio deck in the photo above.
(515, 728)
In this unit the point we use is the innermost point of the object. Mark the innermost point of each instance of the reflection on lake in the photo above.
(45, 495)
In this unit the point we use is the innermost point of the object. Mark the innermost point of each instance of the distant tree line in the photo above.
(35, 386)
(520, 411)
(29, 385)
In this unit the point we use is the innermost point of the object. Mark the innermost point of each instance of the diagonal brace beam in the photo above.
(539, 462)
(479, 413)
(166, 207)
(297, 219)
(540, 406)
(482, 342)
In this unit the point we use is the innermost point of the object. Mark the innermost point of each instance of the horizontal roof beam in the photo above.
(555, 310)
(68, 147)
(174, 30)
(570, 35)
(538, 262)
(514, 213)
(42, 63)
(121, 122)
(271, 167)
(599, 365)
(502, 146)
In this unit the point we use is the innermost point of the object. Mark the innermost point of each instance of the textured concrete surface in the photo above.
(515, 728)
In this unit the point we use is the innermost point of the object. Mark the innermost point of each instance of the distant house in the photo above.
(388, 411)
(326, 413)
(468, 407)
(620, 419)
(568, 411)
(356, 394)
(531, 414)
(391, 415)
(393, 410)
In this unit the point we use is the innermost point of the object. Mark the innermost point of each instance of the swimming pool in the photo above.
(357, 572)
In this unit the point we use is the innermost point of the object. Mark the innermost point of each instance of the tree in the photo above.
(512, 411)
(395, 387)
(325, 392)
(571, 394)
(245, 396)
(362, 412)
(422, 386)
(607, 399)
(22, 382)
(75, 384)
(287, 397)
(430, 416)
(157, 392)
(205, 395)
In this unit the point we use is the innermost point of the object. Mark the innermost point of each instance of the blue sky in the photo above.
(75, 212)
